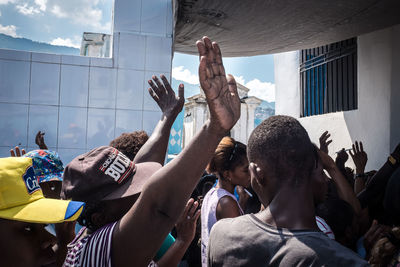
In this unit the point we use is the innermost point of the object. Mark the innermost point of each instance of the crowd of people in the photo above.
(279, 201)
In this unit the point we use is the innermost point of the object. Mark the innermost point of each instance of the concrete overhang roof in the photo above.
(256, 27)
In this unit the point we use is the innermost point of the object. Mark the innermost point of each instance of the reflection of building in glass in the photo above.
(196, 113)
(96, 44)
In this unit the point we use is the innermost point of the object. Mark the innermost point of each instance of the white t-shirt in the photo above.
(209, 217)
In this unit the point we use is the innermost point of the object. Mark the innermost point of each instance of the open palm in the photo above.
(220, 90)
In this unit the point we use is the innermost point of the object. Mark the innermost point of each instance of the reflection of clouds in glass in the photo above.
(100, 127)
(13, 124)
(72, 127)
(128, 121)
(43, 118)
(150, 120)
(67, 155)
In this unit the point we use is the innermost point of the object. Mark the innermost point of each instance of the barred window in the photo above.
(328, 78)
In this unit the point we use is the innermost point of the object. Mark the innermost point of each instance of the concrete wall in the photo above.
(83, 102)
(375, 122)
(287, 80)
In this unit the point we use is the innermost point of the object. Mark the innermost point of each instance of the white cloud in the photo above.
(84, 12)
(9, 30)
(263, 90)
(239, 79)
(5, 2)
(27, 10)
(56, 10)
(41, 4)
(65, 42)
(182, 74)
(80, 12)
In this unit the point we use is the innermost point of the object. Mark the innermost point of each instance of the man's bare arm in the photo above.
(141, 231)
(343, 187)
(156, 147)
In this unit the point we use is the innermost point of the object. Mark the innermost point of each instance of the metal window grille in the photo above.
(328, 77)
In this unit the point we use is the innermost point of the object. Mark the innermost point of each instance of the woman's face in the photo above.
(240, 175)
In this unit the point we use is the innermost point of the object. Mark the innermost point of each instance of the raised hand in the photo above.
(39, 140)
(327, 162)
(324, 142)
(341, 157)
(165, 97)
(220, 90)
(359, 157)
(16, 152)
(186, 225)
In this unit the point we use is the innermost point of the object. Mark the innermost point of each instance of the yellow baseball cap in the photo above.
(21, 198)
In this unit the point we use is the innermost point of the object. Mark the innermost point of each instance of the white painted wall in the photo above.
(375, 122)
(84, 102)
(287, 95)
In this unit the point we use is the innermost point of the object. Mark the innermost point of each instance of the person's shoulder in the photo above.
(227, 202)
(225, 225)
(335, 253)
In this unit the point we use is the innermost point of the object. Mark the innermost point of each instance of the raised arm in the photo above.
(156, 147)
(377, 184)
(186, 230)
(141, 231)
(39, 140)
(324, 142)
(343, 187)
(360, 159)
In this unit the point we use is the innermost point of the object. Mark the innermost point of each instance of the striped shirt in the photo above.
(92, 250)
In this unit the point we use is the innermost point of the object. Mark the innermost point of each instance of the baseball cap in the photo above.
(46, 164)
(104, 173)
(21, 198)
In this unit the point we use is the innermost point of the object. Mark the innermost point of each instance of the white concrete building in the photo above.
(84, 102)
(375, 121)
(196, 113)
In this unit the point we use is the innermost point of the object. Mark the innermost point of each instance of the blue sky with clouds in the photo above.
(62, 22)
(256, 73)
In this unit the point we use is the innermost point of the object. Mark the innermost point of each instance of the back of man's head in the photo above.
(282, 146)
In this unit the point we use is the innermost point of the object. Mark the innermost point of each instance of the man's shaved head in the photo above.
(282, 145)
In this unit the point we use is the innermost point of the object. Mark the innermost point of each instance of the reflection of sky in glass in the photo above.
(67, 155)
(72, 128)
(44, 83)
(74, 85)
(13, 124)
(152, 117)
(128, 121)
(102, 87)
(14, 77)
(44, 119)
(100, 127)
(130, 90)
